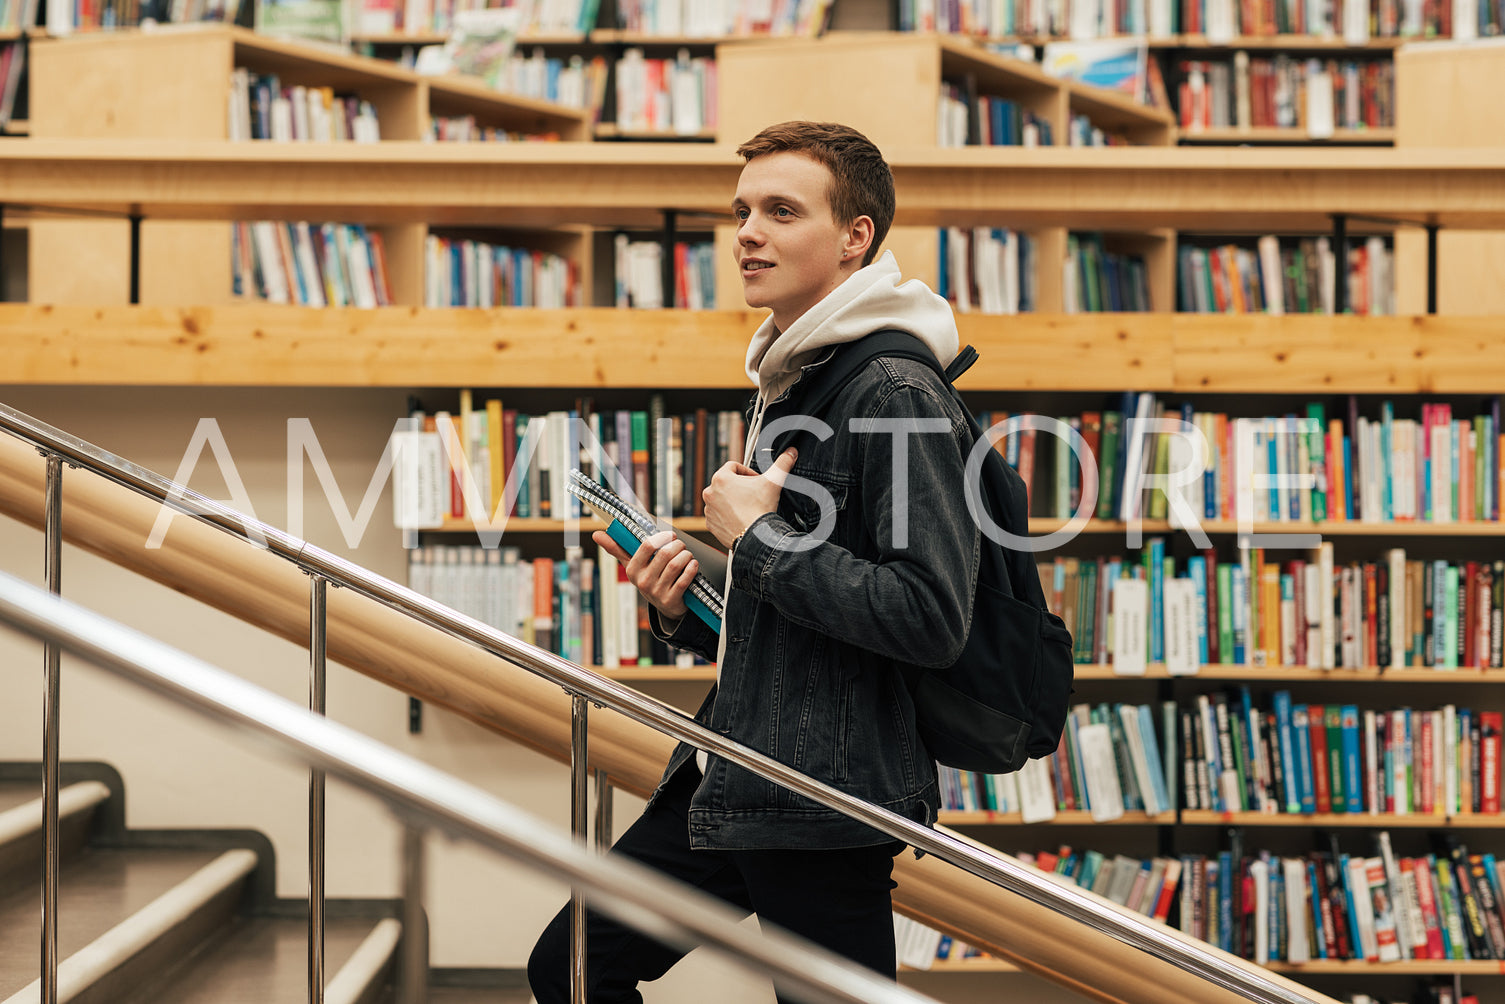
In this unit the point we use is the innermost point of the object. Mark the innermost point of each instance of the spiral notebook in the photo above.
(629, 526)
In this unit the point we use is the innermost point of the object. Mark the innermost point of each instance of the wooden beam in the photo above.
(551, 183)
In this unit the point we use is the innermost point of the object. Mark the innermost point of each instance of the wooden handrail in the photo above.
(262, 589)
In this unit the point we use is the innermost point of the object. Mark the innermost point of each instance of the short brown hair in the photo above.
(861, 183)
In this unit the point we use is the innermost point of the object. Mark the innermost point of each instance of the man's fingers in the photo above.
(611, 547)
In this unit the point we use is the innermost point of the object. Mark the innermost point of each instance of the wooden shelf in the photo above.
(525, 184)
(986, 964)
(660, 674)
(1405, 967)
(1272, 134)
(951, 817)
(1347, 967)
(267, 345)
(610, 130)
(1304, 43)
(466, 95)
(1340, 819)
(1303, 674)
(1332, 528)
(440, 37)
(619, 36)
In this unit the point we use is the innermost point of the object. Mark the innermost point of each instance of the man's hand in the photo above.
(738, 495)
(662, 569)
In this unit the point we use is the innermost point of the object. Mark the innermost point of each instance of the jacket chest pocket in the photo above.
(813, 501)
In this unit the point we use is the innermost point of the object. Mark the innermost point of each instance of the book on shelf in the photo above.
(966, 117)
(646, 452)
(1095, 279)
(468, 273)
(12, 69)
(316, 265)
(261, 107)
(990, 270)
(1336, 758)
(1110, 761)
(638, 273)
(1274, 278)
(1329, 904)
(678, 18)
(316, 21)
(1113, 64)
(1221, 21)
(1310, 96)
(629, 526)
(670, 96)
(1369, 464)
(529, 17)
(577, 606)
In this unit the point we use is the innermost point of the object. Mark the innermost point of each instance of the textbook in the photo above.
(629, 526)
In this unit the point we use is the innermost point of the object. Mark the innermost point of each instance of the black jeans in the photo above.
(838, 899)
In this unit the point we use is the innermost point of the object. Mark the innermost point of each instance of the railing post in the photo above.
(1431, 268)
(316, 651)
(1340, 269)
(579, 796)
(603, 811)
(52, 566)
(415, 963)
(135, 275)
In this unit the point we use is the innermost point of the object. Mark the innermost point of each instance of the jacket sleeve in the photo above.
(911, 601)
(690, 633)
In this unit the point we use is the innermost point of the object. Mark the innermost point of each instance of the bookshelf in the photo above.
(1468, 263)
(89, 87)
(406, 185)
(899, 108)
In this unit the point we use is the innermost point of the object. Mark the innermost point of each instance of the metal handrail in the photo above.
(1201, 961)
(633, 893)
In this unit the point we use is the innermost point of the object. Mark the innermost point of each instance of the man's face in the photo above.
(789, 246)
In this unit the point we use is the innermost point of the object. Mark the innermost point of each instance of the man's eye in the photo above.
(782, 211)
(740, 214)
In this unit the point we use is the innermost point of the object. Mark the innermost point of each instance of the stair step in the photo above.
(477, 995)
(119, 911)
(257, 960)
(14, 793)
(21, 829)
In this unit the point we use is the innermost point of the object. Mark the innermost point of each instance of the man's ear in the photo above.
(859, 239)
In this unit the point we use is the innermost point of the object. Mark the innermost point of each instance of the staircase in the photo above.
(181, 916)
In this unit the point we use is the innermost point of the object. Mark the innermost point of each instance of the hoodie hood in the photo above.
(872, 298)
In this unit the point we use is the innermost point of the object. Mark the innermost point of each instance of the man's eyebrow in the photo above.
(775, 197)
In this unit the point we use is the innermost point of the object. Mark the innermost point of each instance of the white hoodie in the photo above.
(871, 299)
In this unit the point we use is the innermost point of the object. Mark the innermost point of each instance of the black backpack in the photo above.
(1004, 700)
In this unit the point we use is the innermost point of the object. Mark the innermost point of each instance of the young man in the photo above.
(851, 555)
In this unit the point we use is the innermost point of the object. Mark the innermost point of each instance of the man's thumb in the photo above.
(782, 465)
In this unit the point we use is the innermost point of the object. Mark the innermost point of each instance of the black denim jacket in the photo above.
(816, 635)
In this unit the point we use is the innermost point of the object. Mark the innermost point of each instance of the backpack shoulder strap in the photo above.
(963, 362)
(831, 377)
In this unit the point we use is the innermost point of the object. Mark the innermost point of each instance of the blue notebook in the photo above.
(629, 526)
